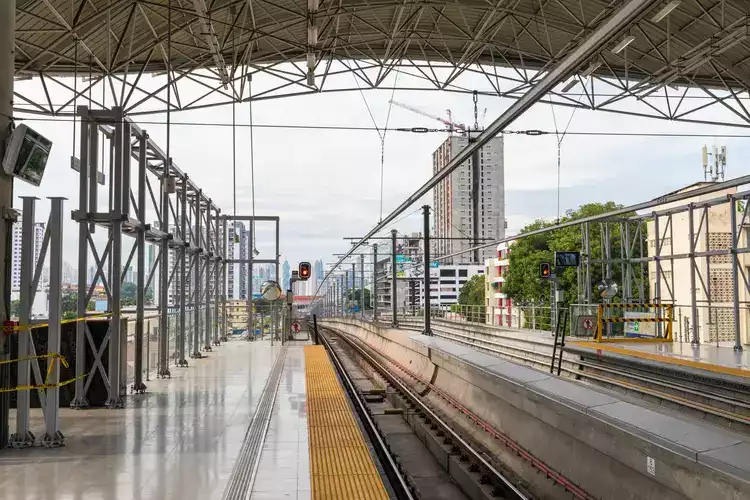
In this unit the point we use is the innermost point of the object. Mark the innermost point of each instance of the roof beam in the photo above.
(622, 18)
(209, 35)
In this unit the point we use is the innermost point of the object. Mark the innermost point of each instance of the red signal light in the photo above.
(305, 270)
(545, 270)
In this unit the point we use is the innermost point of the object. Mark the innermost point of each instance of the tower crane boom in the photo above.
(453, 126)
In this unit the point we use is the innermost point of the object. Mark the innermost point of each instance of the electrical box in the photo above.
(170, 185)
(26, 155)
(559, 296)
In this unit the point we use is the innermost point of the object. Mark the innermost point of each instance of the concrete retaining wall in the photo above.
(611, 446)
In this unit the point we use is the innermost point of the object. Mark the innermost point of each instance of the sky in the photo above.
(325, 185)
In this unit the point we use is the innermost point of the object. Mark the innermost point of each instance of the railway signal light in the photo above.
(305, 271)
(545, 270)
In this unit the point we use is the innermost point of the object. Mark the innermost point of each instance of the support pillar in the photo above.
(23, 436)
(394, 284)
(694, 339)
(362, 285)
(374, 295)
(163, 339)
(7, 54)
(88, 135)
(426, 215)
(182, 256)
(218, 292)
(250, 258)
(138, 385)
(198, 289)
(224, 236)
(52, 435)
(207, 257)
(115, 280)
(735, 275)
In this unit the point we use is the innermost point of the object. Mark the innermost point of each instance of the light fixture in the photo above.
(593, 67)
(621, 46)
(572, 83)
(666, 11)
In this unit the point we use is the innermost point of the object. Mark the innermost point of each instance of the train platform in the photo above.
(710, 361)
(251, 420)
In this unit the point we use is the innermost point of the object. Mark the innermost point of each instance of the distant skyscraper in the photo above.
(319, 271)
(287, 275)
(237, 288)
(39, 228)
(452, 200)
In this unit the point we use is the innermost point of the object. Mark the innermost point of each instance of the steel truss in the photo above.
(186, 234)
(31, 272)
(688, 66)
(250, 261)
(650, 252)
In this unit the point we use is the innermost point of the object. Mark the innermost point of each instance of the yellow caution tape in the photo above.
(46, 384)
(22, 328)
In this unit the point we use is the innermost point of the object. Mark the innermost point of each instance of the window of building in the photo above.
(463, 273)
(447, 272)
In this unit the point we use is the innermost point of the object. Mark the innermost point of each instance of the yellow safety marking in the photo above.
(35, 326)
(341, 467)
(666, 359)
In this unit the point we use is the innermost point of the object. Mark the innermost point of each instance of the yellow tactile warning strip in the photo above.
(739, 372)
(341, 467)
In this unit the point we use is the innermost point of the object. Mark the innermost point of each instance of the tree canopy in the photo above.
(522, 282)
(472, 292)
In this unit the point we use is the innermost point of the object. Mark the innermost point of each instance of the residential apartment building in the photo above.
(237, 274)
(17, 242)
(446, 283)
(453, 200)
(498, 305)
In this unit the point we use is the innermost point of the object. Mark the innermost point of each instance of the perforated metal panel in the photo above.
(719, 241)
(721, 285)
(722, 324)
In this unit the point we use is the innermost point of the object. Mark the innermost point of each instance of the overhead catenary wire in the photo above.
(418, 130)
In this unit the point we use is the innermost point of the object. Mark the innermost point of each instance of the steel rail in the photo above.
(395, 477)
(502, 481)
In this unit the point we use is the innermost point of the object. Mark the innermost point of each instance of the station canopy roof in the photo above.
(696, 44)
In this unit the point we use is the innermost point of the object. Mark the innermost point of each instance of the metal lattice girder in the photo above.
(679, 64)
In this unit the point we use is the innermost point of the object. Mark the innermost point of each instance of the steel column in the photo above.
(7, 55)
(735, 274)
(250, 258)
(163, 363)
(426, 215)
(138, 385)
(218, 292)
(693, 305)
(23, 437)
(657, 285)
(224, 282)
(207, 257)
(52, 435)
(115, 281)
(374, 295)
(88, 131)
(182, 256)
(362, 285)
(394, 284)
(197, 335)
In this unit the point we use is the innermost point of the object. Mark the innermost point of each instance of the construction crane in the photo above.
(452, 126)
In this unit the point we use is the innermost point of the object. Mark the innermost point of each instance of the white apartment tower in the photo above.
(452, 200)
(39, 228)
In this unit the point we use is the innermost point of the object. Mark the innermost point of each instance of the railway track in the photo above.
(496, 482)
(727, 406)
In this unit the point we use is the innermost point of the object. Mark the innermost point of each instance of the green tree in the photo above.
(15, 307)
(354, 295)
(472, 292)
(522, 282)
(471, 299)
(69, 305)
